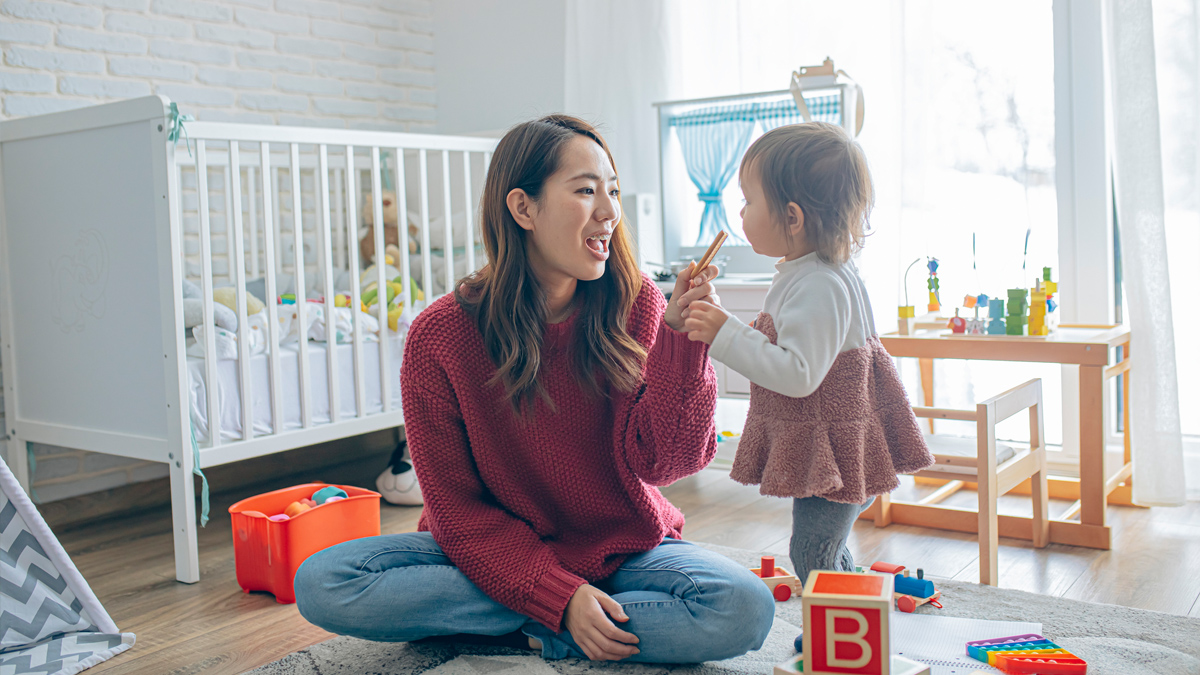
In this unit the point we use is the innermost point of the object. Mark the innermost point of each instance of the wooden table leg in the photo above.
(927, 385)
(1091, 445)
(1125, 409)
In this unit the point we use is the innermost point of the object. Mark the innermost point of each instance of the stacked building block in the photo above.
(1037, 310)
(1017, 304)
(996, 312)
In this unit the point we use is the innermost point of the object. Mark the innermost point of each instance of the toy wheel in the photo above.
(782, 592)
(906, 604)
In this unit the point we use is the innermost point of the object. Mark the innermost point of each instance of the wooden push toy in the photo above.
(781, 582)
(910, 593)
(1027, 654)
(846, 627)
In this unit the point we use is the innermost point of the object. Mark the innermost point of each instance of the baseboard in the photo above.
(74, 512)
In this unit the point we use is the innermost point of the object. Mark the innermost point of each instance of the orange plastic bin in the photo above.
(268, 553)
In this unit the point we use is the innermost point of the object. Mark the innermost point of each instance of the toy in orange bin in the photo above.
(268, 550)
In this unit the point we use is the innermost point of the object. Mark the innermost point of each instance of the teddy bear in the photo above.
(391, 233)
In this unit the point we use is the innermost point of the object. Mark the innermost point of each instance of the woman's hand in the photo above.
(688, 290)
(703, 321)
(588, 623)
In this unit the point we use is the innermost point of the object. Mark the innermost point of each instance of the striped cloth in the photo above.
(50, 621)
(771, 114)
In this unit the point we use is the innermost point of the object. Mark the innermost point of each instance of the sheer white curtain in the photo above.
(1141, 214)
(959, 133)
(621, 58)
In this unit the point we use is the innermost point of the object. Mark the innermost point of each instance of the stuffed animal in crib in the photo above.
(224, 306)
(391, 233)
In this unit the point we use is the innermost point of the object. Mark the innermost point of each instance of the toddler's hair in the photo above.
(824, 171)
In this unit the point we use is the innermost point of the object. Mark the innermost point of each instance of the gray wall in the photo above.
(349, 63)
(357, 63)
(498, 63)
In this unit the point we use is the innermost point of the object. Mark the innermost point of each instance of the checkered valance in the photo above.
(771, 114)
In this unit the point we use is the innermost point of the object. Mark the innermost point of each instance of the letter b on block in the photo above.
(846, 623)
(847, 640)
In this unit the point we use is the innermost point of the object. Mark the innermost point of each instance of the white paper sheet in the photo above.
(941, 641)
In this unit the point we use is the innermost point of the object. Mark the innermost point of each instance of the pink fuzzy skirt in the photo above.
(845, 442)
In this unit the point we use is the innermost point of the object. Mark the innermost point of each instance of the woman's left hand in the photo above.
(688, 290)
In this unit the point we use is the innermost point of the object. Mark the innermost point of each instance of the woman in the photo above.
(543, 402)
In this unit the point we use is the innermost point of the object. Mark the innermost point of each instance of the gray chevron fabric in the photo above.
(50, 622)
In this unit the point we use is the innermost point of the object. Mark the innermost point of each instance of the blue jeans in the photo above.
(686, 604)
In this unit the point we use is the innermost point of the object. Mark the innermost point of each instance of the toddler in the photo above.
(830, 424)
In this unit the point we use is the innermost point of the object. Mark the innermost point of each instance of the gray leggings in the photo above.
(820, 529)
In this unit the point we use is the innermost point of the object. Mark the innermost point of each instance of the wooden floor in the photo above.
(212, 627)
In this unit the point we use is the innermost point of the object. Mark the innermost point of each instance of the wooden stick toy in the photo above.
(711, 253)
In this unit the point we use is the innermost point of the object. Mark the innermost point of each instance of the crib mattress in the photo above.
(229, 394)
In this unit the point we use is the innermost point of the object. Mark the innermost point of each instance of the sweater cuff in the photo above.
(549, 601)
(675, 350)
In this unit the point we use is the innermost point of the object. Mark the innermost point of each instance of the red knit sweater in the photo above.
(530, 512)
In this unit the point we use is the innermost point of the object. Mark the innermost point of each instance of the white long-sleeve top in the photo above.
(819, 311)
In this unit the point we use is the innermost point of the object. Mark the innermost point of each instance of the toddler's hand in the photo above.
(688, 290)
(702, 320)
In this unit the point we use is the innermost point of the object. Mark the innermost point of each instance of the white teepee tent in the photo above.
(50, 621)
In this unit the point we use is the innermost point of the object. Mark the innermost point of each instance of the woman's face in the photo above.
(571, 224)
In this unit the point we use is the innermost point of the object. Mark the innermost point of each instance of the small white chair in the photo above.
(994, 467)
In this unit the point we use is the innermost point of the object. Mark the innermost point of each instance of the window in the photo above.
(960, 134)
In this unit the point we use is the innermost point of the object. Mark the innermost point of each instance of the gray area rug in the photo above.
(1113, 640)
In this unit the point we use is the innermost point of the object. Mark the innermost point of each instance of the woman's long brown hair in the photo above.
(508, 302)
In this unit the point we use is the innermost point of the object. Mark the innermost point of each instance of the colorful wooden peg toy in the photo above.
(935, 298)
(957, 324)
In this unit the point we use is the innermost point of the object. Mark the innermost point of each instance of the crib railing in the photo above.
(266, 176)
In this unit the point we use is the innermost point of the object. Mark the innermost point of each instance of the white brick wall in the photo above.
(353, 63)
(348, 63)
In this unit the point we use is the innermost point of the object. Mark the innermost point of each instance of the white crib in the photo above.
(102, 218)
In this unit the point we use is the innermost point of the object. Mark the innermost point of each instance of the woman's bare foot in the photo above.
(535, 644)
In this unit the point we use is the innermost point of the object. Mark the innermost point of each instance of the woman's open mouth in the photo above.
(598, 245)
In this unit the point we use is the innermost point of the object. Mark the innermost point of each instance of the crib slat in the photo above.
(448, 252)
(228, 177)
(385, 384)
(468, 206)
(301, 300)
(277, 221)
(360, 386)
(269, 248)
(339, 210)
(245, 388)
(426, 259)
(325, 239)
(402, 224)
(206, 291)
(253, 213)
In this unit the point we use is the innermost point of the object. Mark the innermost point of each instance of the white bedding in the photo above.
(229, 396)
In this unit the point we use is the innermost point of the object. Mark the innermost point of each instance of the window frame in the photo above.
(742, 259)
